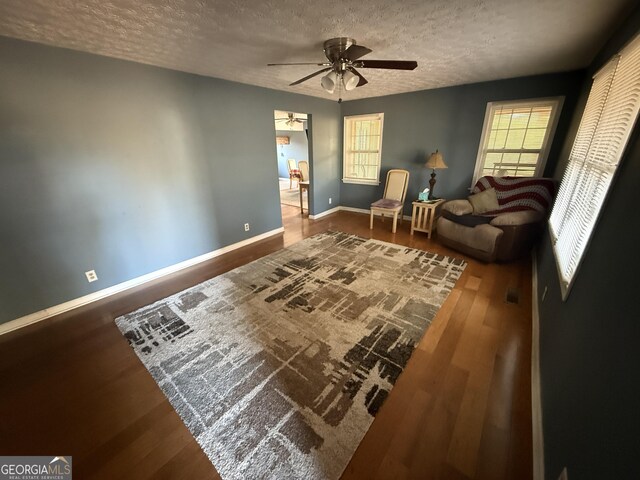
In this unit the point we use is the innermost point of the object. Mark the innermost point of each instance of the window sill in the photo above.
(360, 182)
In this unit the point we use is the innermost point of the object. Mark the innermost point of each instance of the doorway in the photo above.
(293, 162)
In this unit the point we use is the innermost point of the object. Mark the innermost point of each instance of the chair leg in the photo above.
(395, 221)
(290, 183)
(371, 220)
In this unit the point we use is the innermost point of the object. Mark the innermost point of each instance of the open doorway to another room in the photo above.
(292, 147)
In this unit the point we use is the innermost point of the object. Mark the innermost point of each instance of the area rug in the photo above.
(279, 367)
(292, 197)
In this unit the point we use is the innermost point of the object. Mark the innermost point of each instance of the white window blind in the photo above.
(607, 122)
(516, 137)
(362, 147)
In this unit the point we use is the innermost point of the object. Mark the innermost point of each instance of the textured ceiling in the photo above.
(454, 41)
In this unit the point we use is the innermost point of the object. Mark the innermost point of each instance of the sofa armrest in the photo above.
(514, 219)
(458, 207)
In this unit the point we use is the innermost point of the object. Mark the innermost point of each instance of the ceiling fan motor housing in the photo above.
(335, 47)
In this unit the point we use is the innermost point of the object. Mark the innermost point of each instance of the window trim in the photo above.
(548, 139)
(345, 179)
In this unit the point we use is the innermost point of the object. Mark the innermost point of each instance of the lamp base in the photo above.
(432, 184)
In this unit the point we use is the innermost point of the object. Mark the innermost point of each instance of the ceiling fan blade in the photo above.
(363, 81)
(388, 64)
(354, 52)
(325, 64)
(310, 76)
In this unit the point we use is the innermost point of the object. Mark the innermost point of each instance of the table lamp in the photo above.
(434, 161)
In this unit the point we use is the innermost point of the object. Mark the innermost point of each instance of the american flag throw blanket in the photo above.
(516, 194)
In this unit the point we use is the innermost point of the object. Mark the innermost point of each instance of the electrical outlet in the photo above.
(564, 475)
(329, 200)
(544, 293)
(92, 276)
(246, 227)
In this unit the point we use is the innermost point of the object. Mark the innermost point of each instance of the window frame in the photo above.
(345, 179)
(557, 103)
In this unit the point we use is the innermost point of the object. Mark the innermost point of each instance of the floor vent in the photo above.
(512, 296)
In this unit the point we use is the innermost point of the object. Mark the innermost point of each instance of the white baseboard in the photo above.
(353, 209)
(325, 213)
(536, 393)
(121, 287)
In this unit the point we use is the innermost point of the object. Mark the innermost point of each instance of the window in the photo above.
(605, 127)
(516, 138)
(362, 147)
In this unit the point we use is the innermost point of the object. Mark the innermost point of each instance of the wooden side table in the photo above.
(423, 216)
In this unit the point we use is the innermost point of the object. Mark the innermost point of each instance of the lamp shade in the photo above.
(435, 160)
(350, 80)
(329, 81)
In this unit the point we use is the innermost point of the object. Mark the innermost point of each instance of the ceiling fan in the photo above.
(344, 57)
(290, 120)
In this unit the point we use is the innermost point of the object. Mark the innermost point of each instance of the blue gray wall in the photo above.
(590, 344)
(297, 149)
(126, 168)
(449, 119)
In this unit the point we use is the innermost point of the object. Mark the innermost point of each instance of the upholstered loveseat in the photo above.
(508, 229)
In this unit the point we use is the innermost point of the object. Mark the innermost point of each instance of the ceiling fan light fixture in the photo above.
(329, 82)
(350, 80)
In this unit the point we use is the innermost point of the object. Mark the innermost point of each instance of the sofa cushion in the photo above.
(482, 238)
(512, 219)
(458, 207)
(485, 201)
(466, 220)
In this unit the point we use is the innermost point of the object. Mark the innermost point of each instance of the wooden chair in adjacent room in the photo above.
(392, 203)
(303, 183)
(294, 172)
(303, 168)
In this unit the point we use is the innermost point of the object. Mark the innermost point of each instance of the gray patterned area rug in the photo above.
(279, 367)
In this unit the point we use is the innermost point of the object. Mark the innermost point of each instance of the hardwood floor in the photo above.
(460, 410)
